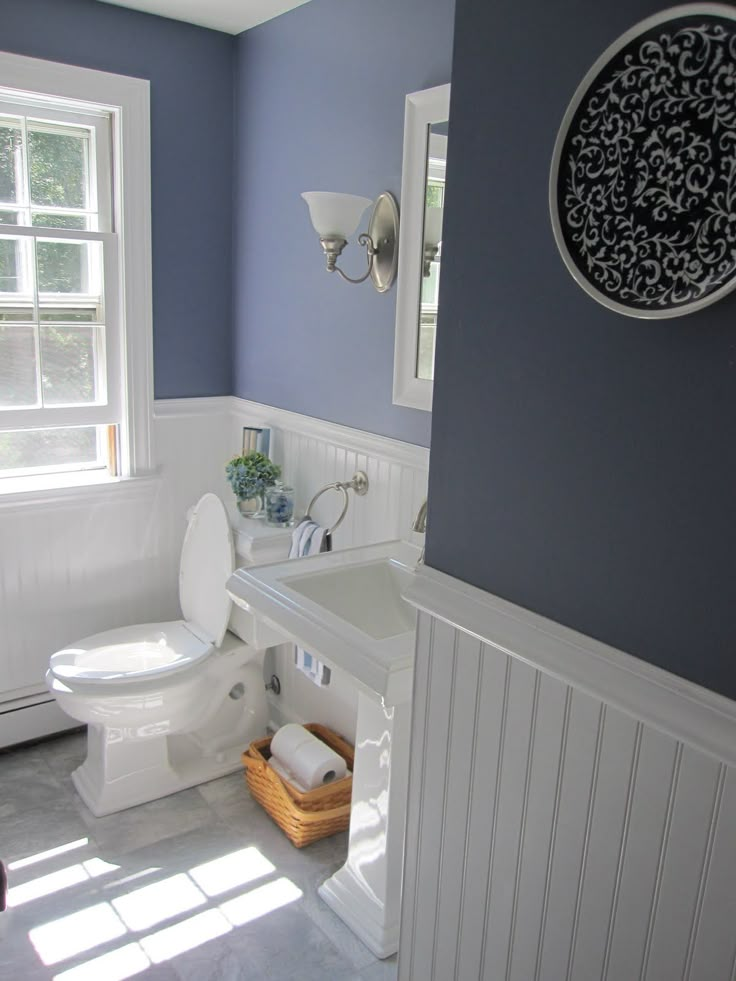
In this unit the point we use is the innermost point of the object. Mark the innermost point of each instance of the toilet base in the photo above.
(116, 776)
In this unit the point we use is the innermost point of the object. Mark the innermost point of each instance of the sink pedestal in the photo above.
(347, 608)
(366, 892)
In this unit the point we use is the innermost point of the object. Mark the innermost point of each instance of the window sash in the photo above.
(98, 122)
(108, 407)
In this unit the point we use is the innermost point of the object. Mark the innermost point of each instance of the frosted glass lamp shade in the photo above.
(433, 226)
(335, 215)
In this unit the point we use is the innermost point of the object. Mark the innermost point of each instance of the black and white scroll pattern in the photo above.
(646, 181)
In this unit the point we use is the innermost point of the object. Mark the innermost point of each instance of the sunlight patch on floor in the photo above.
(22, 863)
(144, 907)
(45, 885)
(231, 871)
(258, 902)
(116, 966)
(76, 933)
(191, 933)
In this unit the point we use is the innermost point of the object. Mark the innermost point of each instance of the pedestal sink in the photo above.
(347, 609)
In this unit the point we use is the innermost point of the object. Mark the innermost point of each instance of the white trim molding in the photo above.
(680, 708)
(571, 808)
(215, 405)
(356, 440)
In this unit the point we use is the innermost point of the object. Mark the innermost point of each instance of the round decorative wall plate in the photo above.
(643, 178)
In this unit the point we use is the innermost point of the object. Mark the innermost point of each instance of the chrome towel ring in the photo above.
(359, 484)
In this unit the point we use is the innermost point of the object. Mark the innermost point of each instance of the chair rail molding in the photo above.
(357, 440)
(213, 405)
(79, 559)
(571, 808)
(680, 708)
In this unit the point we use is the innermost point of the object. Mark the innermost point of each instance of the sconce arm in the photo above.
(365, 240)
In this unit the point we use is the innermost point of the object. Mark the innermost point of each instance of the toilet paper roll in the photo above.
(308, 759)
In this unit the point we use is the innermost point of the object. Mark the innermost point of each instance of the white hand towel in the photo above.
(309, 538)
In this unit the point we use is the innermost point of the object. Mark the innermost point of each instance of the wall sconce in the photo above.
(432, 236)
(336, 217)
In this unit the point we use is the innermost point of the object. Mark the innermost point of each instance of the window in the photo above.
(75, 325)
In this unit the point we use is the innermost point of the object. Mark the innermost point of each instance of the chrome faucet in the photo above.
(420, 522)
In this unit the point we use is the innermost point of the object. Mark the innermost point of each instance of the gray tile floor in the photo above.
(199, 886)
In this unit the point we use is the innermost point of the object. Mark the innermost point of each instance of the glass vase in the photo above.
(251, 507)
(280, 506)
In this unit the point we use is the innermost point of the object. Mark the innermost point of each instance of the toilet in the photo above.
(169, 705)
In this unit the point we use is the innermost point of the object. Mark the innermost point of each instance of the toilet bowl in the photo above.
(168, 705)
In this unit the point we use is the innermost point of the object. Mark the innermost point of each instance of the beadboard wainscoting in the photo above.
(79, 560)
(571, 808)
(313, 453)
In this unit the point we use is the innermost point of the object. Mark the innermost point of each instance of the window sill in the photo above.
(58, 488)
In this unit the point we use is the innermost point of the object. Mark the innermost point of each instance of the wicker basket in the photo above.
(304, 817)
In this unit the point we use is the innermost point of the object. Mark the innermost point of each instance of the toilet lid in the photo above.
(207, 561)
(143, 650)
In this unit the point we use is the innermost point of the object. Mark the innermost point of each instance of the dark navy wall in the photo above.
(191, 75)
(320, 106)
(583, 463)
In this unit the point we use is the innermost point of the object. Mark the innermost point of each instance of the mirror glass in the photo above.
(432, 245)
(426, 129)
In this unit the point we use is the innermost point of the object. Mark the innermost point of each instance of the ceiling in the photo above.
(231, 16)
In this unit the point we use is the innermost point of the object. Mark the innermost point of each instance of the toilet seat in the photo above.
(134, 653)
(207, 562)
(151, 650)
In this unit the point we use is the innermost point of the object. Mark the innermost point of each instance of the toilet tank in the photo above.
(256, 544)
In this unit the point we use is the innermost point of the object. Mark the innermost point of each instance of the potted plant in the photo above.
(249, 476)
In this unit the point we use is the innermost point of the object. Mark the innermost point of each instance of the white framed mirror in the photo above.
(426, 118)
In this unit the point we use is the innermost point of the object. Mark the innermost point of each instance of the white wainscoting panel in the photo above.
(553, 835)
(77, 561)
(314, 453)
(81, 560)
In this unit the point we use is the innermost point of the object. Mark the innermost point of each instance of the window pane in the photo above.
(435, 194)
(59, 221)
(53, 311)
(425, 351)
(10, 161)
(58, 164)
(10, 265)
(48, 448)
(431, 285)
(16, 312)
(10, 218)
(68, 365)
(17, 366)
(69, 267)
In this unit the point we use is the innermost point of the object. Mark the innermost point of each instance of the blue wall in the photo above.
(583, 462)
(320, 106)
(191, 75)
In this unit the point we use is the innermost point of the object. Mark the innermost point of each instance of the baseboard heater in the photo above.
(31, 716)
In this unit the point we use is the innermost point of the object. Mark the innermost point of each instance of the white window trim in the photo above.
(128, 101)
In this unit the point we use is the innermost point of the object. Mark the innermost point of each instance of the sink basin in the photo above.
(368, 596)
(344, 607)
